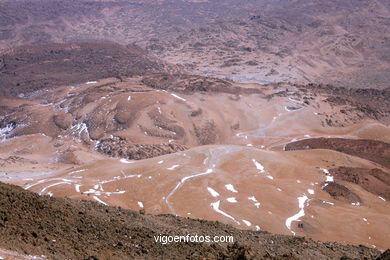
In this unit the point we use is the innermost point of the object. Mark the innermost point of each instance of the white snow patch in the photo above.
(247, 222)
(259, 166)
(5, 131)
(73, 172)
(381, 198)
(117, 178)
(173, 167)
(140, 204)
(176, 96)
(301, 213)
(230, 187)
(232, 200)
(128, 98)
(261, 169)
(77, 187)
(215, 206)
(183, 180)
(257, 228)
(326, 171)
(160, 162)
(256, 203)
(52, 185)
(329, 178)
(212, 192)
(310, 191)
(106, 193)
(79, 129)
(99, 200)
(327, 202)
(252, 198)
(123, 160)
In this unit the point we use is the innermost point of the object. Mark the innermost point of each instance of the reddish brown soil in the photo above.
(373, 180)
(375, 151)
(63, 228)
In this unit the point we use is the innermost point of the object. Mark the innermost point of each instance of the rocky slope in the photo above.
(36, 68)
(68, 229)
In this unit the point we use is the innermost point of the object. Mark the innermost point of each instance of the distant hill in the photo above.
(344, 42)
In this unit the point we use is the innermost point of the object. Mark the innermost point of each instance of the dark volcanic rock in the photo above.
(32, 68)
(341, 192)
(373, 180)
(372, 150)
(118, 147)
(374, 103)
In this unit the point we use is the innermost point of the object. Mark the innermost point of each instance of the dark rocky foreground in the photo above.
(70, 229)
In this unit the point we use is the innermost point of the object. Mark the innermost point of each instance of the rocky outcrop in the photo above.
(376, 151)
(375, 181)
(119, 147)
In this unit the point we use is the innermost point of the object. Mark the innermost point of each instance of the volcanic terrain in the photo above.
(257, 118)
